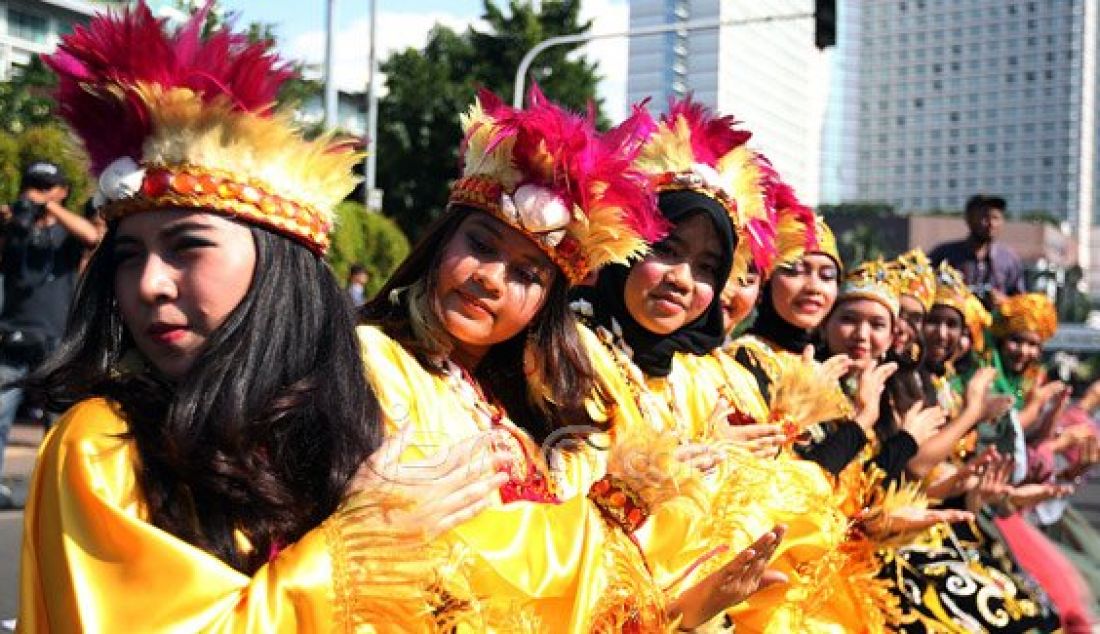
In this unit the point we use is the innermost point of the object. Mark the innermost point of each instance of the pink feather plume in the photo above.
(564, 152)
(712, 137)
(99, 66)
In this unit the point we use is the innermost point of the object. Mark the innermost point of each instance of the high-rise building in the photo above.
(33, 27)
(766, 73)
(935, 100)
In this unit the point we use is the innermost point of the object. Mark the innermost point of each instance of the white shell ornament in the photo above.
(121, 179)
(540, 210)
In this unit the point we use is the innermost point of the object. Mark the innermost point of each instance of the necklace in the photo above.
(661, 410)
(527, 480)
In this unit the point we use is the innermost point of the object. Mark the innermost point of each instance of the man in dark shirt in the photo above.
(990, 268)
(42, 246)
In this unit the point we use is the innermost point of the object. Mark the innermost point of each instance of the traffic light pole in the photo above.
(579, 38)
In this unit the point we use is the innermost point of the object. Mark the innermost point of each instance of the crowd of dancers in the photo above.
(544, 421)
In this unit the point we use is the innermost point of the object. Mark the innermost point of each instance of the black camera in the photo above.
(26, 212)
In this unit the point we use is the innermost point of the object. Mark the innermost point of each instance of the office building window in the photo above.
(27, 26)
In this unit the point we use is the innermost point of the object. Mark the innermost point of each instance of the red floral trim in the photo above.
(194, 187)
(618, 503)
(483, 193)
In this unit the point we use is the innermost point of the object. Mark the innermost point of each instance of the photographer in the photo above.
(42, 246)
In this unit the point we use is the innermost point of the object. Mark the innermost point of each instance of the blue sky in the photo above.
(300, 27)
(296, 18)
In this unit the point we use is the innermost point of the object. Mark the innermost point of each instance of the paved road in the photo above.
(18, 463)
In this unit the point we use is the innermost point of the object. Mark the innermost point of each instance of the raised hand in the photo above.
(963, 479)
(761, 440)
(977, 388)
(913, 519)
(439, 492)
(1028, 495)
(731, 584)
(923, 422)
(699, 456)
(993, 486)
(872, 381)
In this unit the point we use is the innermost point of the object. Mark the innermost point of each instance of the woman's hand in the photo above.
(1087, 445)
(731, 584)
(1028, 495)
(699, 456)
(1047, 391)
(761, 440)
(993, 487)
(912, 519)
(872, 381)
(923, 423)
(961, 480)
(833, 369)
(441, 491)
(977, 388)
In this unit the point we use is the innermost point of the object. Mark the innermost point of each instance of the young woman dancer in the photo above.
(214, 471)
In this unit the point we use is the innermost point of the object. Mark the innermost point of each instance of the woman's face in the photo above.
(1021, 349)
(861, 329)
(738, 299)
(803, 292)
(943, 328)
(178, 275)
(492, 282)
(909, 324)
(675, 284)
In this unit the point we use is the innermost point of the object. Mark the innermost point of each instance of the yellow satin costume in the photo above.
(91, 562)
(816, 553)
(535, 566)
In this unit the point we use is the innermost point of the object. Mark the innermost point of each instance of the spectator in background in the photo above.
(43, 243)
(990, 268)
(357, 282)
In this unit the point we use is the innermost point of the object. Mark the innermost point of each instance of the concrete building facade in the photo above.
(766, 73)
(33, 27)
(935, 100)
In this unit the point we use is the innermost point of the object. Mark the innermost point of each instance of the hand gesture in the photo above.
(443, 490)
(994, 406)
(912, 519)
(977, 388)
(993, 486)
(872, 381)
(1028, 495)
(699, 456)
(922, 422)
(963, 479)
(833, 369)
(1088, 455)
(731, 584)
(761, 440)
(1047, 391)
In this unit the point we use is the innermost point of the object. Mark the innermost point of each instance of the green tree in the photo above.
(427, 89)
(50, 142)
(25, 100)
(571, 82)
(370, 239)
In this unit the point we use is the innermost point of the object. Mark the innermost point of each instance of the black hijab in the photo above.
(771, 326)
(652, 352)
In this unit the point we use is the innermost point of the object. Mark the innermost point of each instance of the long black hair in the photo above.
(539, 399)
(265, 431)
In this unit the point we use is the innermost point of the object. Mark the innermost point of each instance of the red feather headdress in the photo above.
(179, 120)
(693, 148)
(550, 174)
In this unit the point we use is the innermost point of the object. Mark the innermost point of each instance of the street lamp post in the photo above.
(372, 109)
(330, 52)
(578, 38)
